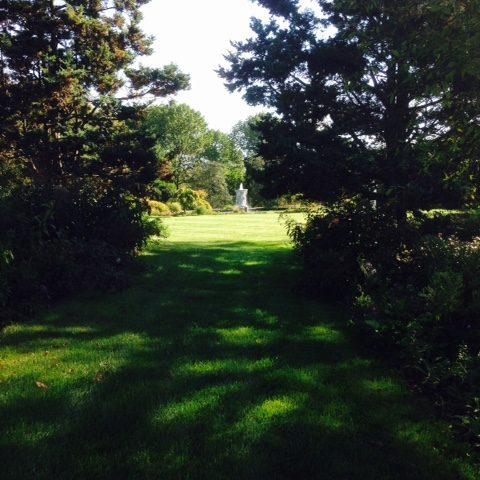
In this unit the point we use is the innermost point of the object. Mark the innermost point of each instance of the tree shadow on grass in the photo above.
(210, 367)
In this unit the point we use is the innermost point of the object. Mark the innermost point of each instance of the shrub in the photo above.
(414, 289)
(341, 244)
(162, 191)
(175, 207)
(203, 208)
(159, 209)
(56, 240)
(195, 200)
(295, 202)
(187, 198)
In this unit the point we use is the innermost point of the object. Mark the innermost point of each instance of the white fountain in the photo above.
(242, 198)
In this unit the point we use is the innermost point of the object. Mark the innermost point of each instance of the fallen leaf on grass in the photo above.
(41, 385)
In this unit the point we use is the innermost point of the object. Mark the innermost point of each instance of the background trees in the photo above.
(189, 154)
(222, 150)
(181, 136)
(248, 139)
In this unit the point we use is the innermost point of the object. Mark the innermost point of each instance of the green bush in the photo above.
(187, 198)
(158, 209)
(162, 191)
(204, 209)
(57, 240)
(293, 203)
(175, 207)
(414, 289)
(341, 244)
(194, 200)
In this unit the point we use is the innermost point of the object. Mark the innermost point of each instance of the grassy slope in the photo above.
(209, 367)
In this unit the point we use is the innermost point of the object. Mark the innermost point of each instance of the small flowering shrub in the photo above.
(158, 209)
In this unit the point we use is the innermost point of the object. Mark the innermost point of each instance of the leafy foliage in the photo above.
(211, 177)
(180, 135)
(162, 191)
(248, 139)
(57, 240)
(190, 155)
(223, 151)
(72, 159)
(370, 98)
(417, 291)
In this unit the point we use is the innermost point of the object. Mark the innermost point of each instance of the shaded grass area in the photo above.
(210, 367)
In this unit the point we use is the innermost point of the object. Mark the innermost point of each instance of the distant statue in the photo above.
(242, 198)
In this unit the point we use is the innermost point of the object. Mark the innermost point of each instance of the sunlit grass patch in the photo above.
(192, 373)
(383, 386)
(257, 263)
(275, 407)
(230, 272)
(233, 366)
(324, 334)
(269, 413)
(247, 336)
(190, 408)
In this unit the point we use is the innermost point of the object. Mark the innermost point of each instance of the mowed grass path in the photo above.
(210, 366)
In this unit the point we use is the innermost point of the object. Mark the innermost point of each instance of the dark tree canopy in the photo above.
(74, 165)
(66, 71)
(372, 97)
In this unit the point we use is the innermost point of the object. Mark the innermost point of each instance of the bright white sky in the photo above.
(195, 34)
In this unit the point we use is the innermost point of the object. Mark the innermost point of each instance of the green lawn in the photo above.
(210, 366)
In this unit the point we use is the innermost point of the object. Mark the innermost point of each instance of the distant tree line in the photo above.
(190, 155)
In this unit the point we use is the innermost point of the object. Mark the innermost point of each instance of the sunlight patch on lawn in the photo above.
(272, 411)
(191, 408)
(253, 263)
(60, 362)
(274, 407)
(22, 330)
(324, 334)
(231, 272)
(382, 385)
(195, 268)
(246, 336)
(230, 366)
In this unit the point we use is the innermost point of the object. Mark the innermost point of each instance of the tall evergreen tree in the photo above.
(377, 97)
(70, 151)
(66, 73)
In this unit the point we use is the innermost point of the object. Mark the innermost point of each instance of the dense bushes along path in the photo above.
(210, 367)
